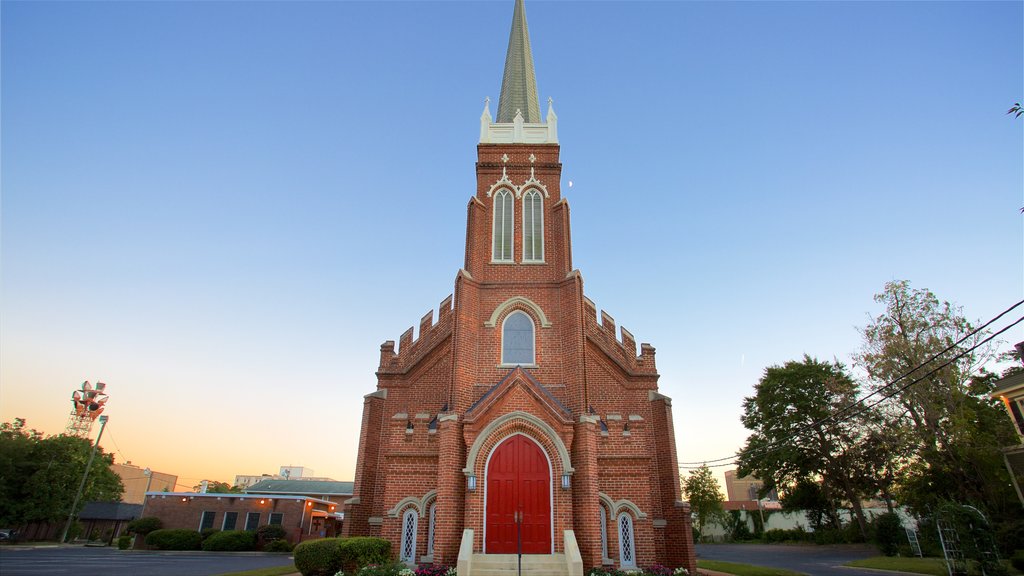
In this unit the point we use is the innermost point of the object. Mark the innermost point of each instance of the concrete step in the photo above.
(507, 565)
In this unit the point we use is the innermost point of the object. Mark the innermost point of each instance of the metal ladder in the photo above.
(956, 564)
(915, 545)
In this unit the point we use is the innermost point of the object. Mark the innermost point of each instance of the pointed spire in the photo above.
(519, 84)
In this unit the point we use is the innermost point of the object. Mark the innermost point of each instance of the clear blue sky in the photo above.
(222, 209)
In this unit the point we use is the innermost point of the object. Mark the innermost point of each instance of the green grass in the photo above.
(275, 571)
(744, 569)
(933, 566)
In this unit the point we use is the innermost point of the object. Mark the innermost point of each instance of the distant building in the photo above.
(284, 473)
(330, 490)
(745, 488)
(137, 483)
(301, 517)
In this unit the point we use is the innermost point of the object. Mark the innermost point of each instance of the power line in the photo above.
(772, 446)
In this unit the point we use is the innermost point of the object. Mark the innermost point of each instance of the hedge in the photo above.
(145, 525)
(327, 556)
(174, 539)
(318, 557)
(231, 541)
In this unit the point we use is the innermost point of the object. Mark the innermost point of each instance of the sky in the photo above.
(222, 209)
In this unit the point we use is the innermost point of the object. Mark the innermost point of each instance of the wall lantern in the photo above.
(310, 504)
(332, 508)
(184, 499)
(263, 501)
(565, 481)
(471, 483)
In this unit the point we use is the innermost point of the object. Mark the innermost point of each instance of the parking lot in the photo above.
(82, 561)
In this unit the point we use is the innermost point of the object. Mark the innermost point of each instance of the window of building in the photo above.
(503, 213)
(252, 520)
(230, 520)
(276, 518)
(533, 227)
(517, 339)
(604, 531)
(206, 520)
(627, 552)
(430, 532)
(410, 521)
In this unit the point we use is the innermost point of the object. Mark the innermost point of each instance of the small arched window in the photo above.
(533, 227)
(517, 339)
(604, 530)
(430, 532)
(503, 214)
(410, 523)
(627, 549)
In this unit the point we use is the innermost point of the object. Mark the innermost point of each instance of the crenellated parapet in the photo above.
(619, 345)
(411, 351)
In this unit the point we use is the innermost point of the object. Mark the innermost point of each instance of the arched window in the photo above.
(430, 531)
(503, 213)
(604, 531)
(410, 522)
(533, 227)
(627, 549)
(517, 339)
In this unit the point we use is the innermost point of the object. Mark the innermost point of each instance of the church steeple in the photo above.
(519, 84)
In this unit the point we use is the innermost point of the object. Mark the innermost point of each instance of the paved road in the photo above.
(809, 559)
(81, 561)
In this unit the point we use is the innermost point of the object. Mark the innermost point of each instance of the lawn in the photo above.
(275, 571)
(744, 569)
(933, 566)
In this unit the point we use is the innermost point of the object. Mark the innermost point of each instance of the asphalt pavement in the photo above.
(83, 561)
(809, 559)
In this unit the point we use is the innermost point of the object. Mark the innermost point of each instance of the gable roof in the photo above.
(110, 511)
(325, 487)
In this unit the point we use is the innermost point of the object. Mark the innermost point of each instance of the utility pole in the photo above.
(85, 476)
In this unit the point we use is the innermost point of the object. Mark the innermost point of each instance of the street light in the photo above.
(85, 476)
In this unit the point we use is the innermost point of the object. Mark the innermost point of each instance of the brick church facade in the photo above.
(519, 417)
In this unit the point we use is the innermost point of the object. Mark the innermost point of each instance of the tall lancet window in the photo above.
(503, 213)
(533, 227)
(517, 339)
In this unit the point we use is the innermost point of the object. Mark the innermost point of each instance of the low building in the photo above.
(302, 517)
(107, 520)
(137, 481)
(743, 488)
(1010, 391)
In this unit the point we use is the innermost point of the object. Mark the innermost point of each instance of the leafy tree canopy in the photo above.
(705, 496)
(39, 475)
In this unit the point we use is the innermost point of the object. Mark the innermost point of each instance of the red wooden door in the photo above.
(518, 483)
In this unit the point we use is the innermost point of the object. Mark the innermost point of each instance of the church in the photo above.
(520, 419)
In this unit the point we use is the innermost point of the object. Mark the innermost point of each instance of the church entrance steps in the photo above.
(507, 565)
(568, 563)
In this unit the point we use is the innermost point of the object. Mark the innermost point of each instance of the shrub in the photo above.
(207, 532)
(174, 539)
(270, 532)
(432, 570)
(145, 525)
(124, 542)
(277, 546)
(791, 535)
(888, 533)
(1017, 560)
(318, 557)
(231, 541)
(357, 552)
(392, 569)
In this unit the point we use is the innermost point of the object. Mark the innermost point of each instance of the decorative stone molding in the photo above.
(523, 301)
(540, 425)
(616, 506)
(420, 504)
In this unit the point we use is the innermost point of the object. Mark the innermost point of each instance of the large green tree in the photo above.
(40, 475)
(954, 429)
(705, 496)
(802, 436)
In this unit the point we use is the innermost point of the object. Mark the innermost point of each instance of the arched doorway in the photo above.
(518, 486)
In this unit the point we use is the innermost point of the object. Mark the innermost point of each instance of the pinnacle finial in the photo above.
(519, 83)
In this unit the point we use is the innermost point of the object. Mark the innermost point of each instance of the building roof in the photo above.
(1008, 385)
(324, 487)
(519, 83)
(110, 511)
(245, 496)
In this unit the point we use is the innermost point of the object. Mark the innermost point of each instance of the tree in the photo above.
(39, 476)
(802, 434)
(215, 487)
(954, 429)
(705, 496)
